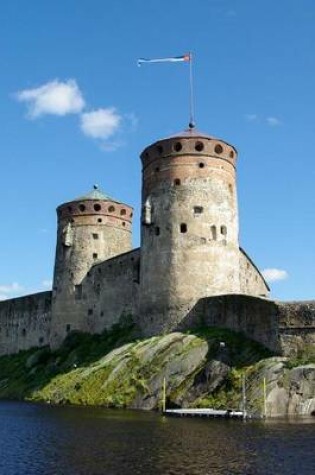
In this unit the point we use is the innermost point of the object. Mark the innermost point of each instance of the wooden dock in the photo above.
(214, 413)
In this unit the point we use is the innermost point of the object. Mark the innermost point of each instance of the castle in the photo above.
(189, 268)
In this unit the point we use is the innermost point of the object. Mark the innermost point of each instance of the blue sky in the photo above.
(76, 110)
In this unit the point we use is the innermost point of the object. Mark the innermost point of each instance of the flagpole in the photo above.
(191, 94)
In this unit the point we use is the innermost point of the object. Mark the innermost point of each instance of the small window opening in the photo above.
(123, 223)
(82, 208)
(177, 182)
(122, 212)
(97, 207)
(111, 209)
(157, 169)
(231, 154)
(230, 188)
(214, 233)
(41, 340)
(183, 228)
(223, 230)
(201, 165)
(24, 332)
(157, 231)
(218, 149)
(178, 146)
(131, 214)
(99, 220)
(102, 313)
(95, 236)
(90, 311)
(78, 292)
(199, 146)
(68, 327)
(95, 255)
(198, 209)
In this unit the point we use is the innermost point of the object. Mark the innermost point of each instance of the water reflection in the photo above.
(92, 441)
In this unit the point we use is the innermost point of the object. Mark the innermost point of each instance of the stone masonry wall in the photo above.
(25, 322)
(296, 325)
(253, 316)
(251, 280)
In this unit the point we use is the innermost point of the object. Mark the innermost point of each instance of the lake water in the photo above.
(46, 440)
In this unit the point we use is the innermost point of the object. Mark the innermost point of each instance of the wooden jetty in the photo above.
(214, 413)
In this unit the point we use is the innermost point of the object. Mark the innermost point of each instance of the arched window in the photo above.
(177, 182)
(183, 228)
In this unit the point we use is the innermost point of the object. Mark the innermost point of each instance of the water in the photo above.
(45, 440)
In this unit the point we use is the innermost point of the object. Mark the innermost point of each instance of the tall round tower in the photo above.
(189, 238)
(91, 228)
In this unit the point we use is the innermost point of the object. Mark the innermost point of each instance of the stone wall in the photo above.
(25, 322)
(296, 325)
(255, 317)
(251, 280)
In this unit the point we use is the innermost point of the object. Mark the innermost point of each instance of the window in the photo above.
(97, 207)
(198, 209)
(95, 236)
(82, 208)
(177, 182)
(183, 228)
(157, 169)
(199, 146)
(24, 332)
(201, 165)
(157, 231)
(99, 220)
(178, 146)
(41, 340)
(213, 233)
(95, 255)
(122, 212)
(68, 327)
(111, 209)
(90, 311)
(223, 230)
(218, 149)
(78, 292)
(231, 154)
(159, 149)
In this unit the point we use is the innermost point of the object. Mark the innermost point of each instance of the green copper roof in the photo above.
(95, 194)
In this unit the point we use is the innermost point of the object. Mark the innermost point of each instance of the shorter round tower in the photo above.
(91, 229)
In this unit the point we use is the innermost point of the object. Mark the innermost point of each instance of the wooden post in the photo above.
(265, 397)
(164, 395)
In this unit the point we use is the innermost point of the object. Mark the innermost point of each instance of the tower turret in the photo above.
(91, 228)
(189, 238)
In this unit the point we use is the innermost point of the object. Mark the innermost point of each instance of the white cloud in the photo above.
(273, 121)
(55, 97)
(100, 123)
(11, 288)
(251, 117)
(273, 275)
(47, 284)
(3, 297)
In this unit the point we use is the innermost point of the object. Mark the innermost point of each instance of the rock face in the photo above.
(289, 391)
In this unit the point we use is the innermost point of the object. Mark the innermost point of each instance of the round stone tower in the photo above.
(189, 238)
(91, 228)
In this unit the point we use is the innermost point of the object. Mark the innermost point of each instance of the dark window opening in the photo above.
(78, 292)
(82, 208)
(102, 313)
(198, 209)
(159, 149)
(95, 255)
(69, 209)
(97, 207)
(199, 146)
(90, 311)
(41, 340)
(157, 231)
(99, 220)
(201, 165)
(214, 233)
(230, 188)
(24, 332)
(122, 212)
(183, 228)
(223, 230)
(123, 223)
(231, 154)
(95, 236)
(111, 209)
(177, 182)
(178, 146)
(218, 149)
(157, 169)
(68, 327)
